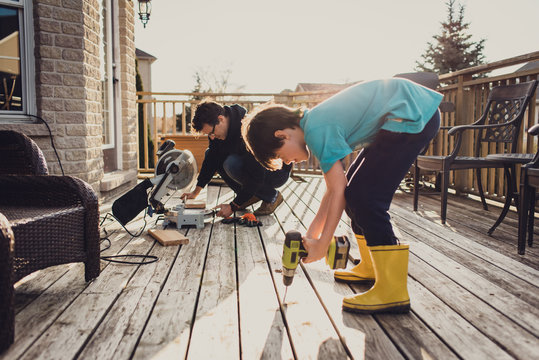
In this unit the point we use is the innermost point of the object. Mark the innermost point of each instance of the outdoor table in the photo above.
(509, 161)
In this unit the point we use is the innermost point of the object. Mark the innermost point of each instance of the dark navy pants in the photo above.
(375, 175)
(236, 173)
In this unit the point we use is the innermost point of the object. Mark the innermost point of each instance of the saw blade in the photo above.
(185, 178)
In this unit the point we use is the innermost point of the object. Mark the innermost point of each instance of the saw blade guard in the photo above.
(185, 177)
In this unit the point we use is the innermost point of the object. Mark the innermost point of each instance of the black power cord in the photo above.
(52, 140)
(146, 259)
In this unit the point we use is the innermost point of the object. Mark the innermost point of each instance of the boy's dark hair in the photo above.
(258, 131)
(207, 112)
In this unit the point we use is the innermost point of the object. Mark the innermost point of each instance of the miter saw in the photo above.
(176, 170)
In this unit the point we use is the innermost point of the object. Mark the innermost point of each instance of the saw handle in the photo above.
(167, 145)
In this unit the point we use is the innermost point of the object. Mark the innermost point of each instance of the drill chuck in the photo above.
(288, 276)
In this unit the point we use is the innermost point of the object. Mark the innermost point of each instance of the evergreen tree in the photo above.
(453, 49)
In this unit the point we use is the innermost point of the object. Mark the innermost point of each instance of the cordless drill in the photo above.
(293, 251)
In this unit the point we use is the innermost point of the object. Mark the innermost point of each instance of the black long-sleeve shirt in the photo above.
(219, 150)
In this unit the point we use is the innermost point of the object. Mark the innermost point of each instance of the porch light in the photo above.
(144, 11)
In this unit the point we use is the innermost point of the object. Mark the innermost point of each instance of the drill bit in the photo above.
(285, 291)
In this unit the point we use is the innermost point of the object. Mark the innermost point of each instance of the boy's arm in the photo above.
(327, 218)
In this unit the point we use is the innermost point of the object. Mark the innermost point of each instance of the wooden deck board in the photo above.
(221, 296)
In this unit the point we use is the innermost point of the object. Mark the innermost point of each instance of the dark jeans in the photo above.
(236, 174)
(375, 175)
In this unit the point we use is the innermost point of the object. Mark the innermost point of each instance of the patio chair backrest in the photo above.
(19, 155)
(506, 104)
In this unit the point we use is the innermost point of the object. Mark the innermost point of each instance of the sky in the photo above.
(268, 46)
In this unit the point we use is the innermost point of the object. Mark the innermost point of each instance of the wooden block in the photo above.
(169, 237)
(195, 204)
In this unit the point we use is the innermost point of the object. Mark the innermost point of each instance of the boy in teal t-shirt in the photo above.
(393, 120)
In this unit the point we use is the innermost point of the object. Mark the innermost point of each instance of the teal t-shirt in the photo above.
(352, 117)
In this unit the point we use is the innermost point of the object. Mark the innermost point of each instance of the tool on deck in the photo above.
(175, 170)
(248, 219)
(293, 251)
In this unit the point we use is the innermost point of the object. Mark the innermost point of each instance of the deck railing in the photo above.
(169, 115)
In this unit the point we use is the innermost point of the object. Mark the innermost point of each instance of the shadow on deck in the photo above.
(220, 296)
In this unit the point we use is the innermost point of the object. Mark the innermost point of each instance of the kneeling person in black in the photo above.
(228, 156)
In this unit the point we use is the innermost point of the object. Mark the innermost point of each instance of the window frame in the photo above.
(26, 46)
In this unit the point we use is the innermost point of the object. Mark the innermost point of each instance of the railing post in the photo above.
(463, 116)
(145, 134)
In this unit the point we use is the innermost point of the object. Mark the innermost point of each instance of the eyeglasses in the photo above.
(212, 134)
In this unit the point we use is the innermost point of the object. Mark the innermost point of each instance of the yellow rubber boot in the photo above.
(389, 293)
(362, 272)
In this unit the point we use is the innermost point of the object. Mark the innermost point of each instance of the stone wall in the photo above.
(68, 85)
(126, 22)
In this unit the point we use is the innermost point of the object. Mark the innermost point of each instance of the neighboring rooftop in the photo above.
(140, 54)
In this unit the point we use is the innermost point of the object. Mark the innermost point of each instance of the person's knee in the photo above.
(360, 205)
(233, 166)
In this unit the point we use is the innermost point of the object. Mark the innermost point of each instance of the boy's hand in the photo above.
(225, 210)
(315, 248)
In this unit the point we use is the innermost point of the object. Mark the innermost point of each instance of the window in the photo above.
(16, 68)
(107, 77)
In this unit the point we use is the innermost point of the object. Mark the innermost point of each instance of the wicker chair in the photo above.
(45, 220)
(500, 123)
(20, 155)
(529, 183)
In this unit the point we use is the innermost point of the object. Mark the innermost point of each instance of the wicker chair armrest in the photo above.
(534, 130)
(53, 190)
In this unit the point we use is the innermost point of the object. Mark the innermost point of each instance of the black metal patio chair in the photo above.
(529, 183)
(500, 123)
(45, 220)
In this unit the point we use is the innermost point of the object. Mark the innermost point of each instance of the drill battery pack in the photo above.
(337, 255)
